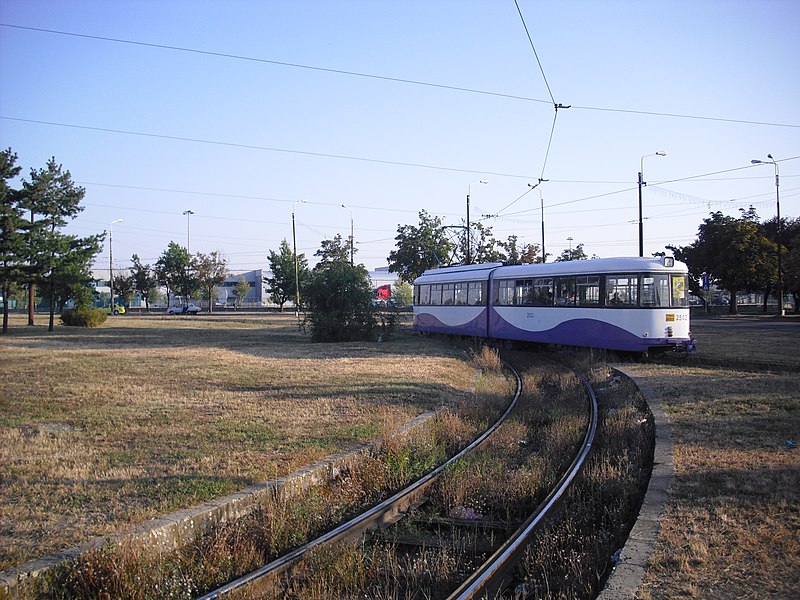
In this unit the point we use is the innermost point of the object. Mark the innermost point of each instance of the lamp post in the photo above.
(187, 213)
(469, 191)
(771, 161)
(641, 183)
(352, 235)
(110, 261)
(296, 266)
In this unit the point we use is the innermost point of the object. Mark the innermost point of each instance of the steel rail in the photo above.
(491, 577)
(377, 514)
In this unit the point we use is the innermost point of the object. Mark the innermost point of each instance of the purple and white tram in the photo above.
(628, 304)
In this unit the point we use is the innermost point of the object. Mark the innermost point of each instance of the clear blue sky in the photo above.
(214, 125)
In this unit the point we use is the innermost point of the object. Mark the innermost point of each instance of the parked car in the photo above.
(118, 310)
(186, 309)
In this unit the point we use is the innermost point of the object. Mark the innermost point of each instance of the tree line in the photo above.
(36, 256)
(740, 254)
(34, 251)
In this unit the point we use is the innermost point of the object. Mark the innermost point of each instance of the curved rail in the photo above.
(377, 514)
(489, 579)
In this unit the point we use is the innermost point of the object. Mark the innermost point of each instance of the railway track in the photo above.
(490, 562)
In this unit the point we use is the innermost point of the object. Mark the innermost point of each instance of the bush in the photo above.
(339, 299)
(83, 317)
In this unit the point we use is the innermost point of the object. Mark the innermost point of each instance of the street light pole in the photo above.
(296, 266)
(641, 183)
(467, 259)
(110, 262)
(771, 161)
(352, 235)
(187, 213)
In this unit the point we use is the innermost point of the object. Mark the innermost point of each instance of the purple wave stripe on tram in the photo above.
(589, 333)
(431, 324)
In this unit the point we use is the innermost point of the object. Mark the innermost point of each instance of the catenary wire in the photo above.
(398, 80)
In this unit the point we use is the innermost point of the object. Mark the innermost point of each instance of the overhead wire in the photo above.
(394, 79)
(265, 148)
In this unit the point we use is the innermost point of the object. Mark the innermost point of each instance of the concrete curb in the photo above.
(181, 527)
(628, 574)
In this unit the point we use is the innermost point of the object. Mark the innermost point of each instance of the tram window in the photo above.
(588, 290)
(476, 293)
(423, 295)
(655, 290)
(679, 296)
(448, 294)
(523, 292)
(543, 292)
(436, 294)
(622, 290)
(504, 296)
(565, 291)
(461, 293)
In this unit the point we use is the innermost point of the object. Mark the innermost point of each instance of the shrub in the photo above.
(339, 299)
(83, 317)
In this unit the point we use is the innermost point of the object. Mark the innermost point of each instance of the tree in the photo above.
(333, 251)
(281, 286)
(576, 253)
(484, 246)
(124, 287)
(339, 299)
(54, 257)
(791, 265)
(172, 271)
(72, 276)
(732, 252)
(403, 292)
(12, 223)
(516, 255)
(419, 248)
(241, 289)
(210, 271)
(144, 280)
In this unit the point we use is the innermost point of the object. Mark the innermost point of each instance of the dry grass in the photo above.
(731, 528)
(499, 483)
(754, 340)
(102, 429)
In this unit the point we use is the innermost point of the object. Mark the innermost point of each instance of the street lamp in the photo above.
(469, 191)
(296, 266)
(641, 183)
(110, 267)
(187, 213)
(771, 161)
(352, 235)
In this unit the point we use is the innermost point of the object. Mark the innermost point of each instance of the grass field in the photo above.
(732, 527)
(102, 429)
